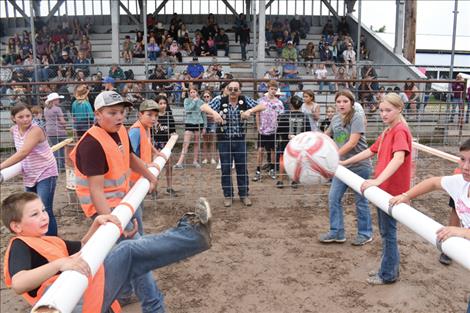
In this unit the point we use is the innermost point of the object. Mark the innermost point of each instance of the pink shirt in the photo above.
(40, 162)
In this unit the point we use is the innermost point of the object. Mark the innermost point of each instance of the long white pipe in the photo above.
(14, 170)
(67, 290)
(456, 248)
(439, 153)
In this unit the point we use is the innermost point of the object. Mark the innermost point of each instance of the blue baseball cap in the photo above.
(108, 80)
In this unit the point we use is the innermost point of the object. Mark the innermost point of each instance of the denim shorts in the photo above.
(211, 128)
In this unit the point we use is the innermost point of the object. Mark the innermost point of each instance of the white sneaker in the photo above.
(204, 161)
(218, 166)
(213, 161)
(233, 164)
(196, 165)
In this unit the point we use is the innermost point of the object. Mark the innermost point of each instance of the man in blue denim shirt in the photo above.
(229, 113)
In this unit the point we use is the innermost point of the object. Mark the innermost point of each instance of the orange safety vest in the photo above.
(116, 180)
(53, 248)
(145, 148)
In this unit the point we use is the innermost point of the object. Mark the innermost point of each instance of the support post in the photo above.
(160, 7)
(457, 248)
(66, 291)
(261, 39)
(234, 12)
(410, 30)
(269, 4)
(115, 31)
(330, 8)
(358, 42)
(17, 8)
(54, 10)
(144, 16)
(131, 16)
(399, 27)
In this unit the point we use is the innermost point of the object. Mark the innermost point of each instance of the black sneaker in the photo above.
(171, 192)
(294, 185)
(444, 259)
(279, 184)
(257, 176)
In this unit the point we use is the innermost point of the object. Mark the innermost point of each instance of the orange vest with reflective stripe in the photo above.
(53, 248)
(145, 148)
(116, 180)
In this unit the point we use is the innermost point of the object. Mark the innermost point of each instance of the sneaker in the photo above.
(373, 273)
(377, 280)
(128, 300)
(444, 259)
(279, 184)
(227, 202)
(272, 173)
(329, 238)
(233, 164)
(196, 165)
(257, 176)
(361, 240)
(178, 166)
(204, 161)
(203, 210)
(266, 167)
(246, 201)
(171, 192)
(294, 184)
(218, 166)
(213, 161)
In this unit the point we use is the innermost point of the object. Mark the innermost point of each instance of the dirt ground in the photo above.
(266, 258)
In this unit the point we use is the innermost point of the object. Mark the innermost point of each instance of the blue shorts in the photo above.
(211, 128)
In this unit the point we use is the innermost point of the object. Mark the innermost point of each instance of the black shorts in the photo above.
(193, 127)
(266, 141)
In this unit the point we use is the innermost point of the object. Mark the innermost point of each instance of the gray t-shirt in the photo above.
(341, 136)
(53, 125)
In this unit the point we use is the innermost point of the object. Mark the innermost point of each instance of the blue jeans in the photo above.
(243, 49)
(390, 265)
(59, 154)
(138, 216)
(337, 190)
(133, 258)
(331, 87)
(233, 150)
(45, 189)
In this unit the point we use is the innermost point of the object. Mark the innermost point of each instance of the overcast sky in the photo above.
(434, 22)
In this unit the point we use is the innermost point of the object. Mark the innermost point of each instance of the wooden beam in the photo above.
(331, 9)
(54, 9)
(231, 9)
(160, 7)
(132, 17)
(409, 48)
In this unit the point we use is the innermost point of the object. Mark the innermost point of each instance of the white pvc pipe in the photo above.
(14, 170)
(456, 248)
(439, 153)
(67, 290)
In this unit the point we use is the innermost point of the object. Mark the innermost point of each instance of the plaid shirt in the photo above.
(234, 126)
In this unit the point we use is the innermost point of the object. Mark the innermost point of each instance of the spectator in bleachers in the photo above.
(5, 76)
(364, 51)
(80, 76)
(244, 35)
(25, 48)
(240, 24)
(329, 28)
(139, 37)
(127, 49)
(402, 95)
(175, 20)
(286, 36)
(289, 53)
(65, 64)
(305, 28)
(195, 69)
(222, 41)
(295, 39)
(12, 51)
(279, 44)
(349, 57)
(158, 73)
(138, 51)
(182, 33)
(277, 28)
(153, 49)
(269, 31)
(326, 55)
(412, 92)
(85, 46)
(341, 74)
(76, 28)
(295, 24)
(368, 72)
(108, 83)
(211, 46)
(343, 27)
(174, 51)
(116, 72)
(173, 32)
(132, 92)
(150, 20)
(289, 70)
(210, 73)
(321, 73)
(82, 63)
(28, 66)
(204, 48)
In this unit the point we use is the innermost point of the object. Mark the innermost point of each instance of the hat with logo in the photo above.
(149, 105)
(53, 96)
(290, 42)
(109, 98)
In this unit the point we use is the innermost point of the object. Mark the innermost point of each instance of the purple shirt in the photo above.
(268, 117)
(53, 125)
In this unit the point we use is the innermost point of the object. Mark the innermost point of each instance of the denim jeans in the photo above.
(59, 154)
(390, 265)
(454, 109)
(138, 216)
(233, 150)
(337, 190)
(331, 87)
(133, 258)
(45, 189)
(243, 50)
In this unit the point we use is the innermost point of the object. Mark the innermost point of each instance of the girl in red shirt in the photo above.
(393, 175)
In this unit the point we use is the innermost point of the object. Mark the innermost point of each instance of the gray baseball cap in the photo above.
(149, 105)
(109, 98)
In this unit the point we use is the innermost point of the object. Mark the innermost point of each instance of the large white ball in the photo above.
(311, 158)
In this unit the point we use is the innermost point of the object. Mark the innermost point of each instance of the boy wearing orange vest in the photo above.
(141, 142)
(103, 159)
(33, 261)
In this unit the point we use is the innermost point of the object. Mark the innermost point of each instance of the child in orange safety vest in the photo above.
(33, 261)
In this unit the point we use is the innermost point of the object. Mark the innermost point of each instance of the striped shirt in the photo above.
(40, 162)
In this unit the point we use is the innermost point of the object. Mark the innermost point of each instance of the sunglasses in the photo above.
(231, 89)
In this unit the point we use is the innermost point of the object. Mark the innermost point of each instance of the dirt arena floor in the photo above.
(266, 258)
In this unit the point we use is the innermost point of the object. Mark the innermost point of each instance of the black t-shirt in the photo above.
(23, 257)
(165, 127)
(91, 159)
(291, 123)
